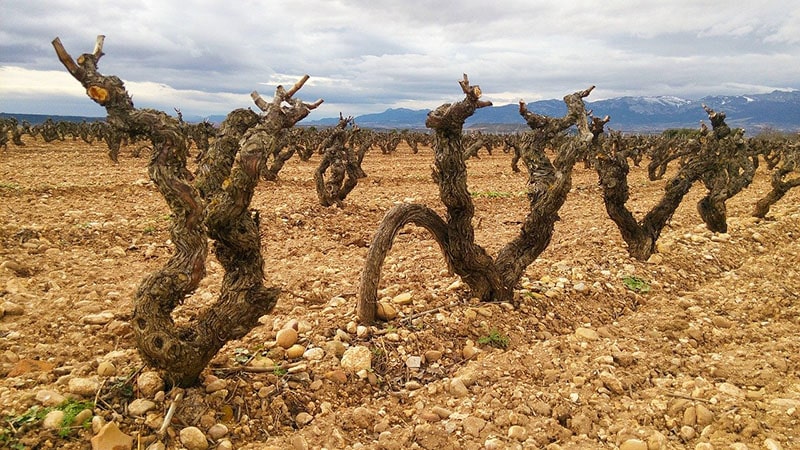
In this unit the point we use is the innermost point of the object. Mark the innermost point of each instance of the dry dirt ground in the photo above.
(706, 359)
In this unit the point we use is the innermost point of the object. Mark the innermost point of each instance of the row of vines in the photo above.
(212, 204)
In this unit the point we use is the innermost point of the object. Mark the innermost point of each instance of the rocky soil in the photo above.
(697, 348)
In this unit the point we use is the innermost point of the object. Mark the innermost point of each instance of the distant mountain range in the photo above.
(778, 110)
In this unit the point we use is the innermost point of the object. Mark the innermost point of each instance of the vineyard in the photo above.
(260, 285)
(715, 328)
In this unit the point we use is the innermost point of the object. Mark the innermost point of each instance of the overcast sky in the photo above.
(205, 57)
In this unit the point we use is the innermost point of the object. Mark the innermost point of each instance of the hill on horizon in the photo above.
(777, 110)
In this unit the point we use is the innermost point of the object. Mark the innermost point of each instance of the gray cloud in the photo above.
(365, 56)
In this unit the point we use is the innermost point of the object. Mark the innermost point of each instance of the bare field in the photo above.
(709, 355)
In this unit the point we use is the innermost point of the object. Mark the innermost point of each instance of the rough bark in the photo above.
(548, 185)
(780, 184)
(612, 169)
(214, 208)
(342, 166)
(731, 169)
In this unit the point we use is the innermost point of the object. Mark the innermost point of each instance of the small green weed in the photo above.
(35, 414)
(495, 339)
(9, 185)
(279, 372)
(636, 284)
(490, 194)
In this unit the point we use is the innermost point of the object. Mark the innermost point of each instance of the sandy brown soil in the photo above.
(707, 359)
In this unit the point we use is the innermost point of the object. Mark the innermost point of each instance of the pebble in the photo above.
(302, 419)
(110, 437)
(402, 299)
(149, 383)
(687, 433)
(86, 387)
(473, 425)
(772, 444)
(413, 385)
(363, 417)
(335, 348)
(633, 444)
(730, 389)
(469, 351)
(357, 358)
(12, 309)
(286, 337)
(106, 369)
(49, 398)
(704, 415)
(444, 413)
(193, 439)
(587, 334)
(53, 420)
(315, 354)
(612, 383)
(299, 442)
(432, 356)
(518, 433)
(218, 431)
(337, 376)
(458, 388)
(721, 322)
(98, 319)
(385, 311)
(295, 351)
(215, 385)
(414, 362)
(140, 407)
(704, 446)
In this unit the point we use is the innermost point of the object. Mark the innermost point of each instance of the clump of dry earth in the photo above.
(706, 359)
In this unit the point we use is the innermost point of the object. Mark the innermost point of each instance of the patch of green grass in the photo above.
(36, 414)
(495, 339)
(636, 284)
(71, 409)
(9, 185)
(279, 372)
(490, 194)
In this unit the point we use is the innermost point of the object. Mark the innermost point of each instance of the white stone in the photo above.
(53, 420)
(49, 398)
(357, 358)
(86, 387)
(314, 354)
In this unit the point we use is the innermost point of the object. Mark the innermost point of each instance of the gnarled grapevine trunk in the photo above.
(488, 279)
(612, 169)
(731, 169)
(216, 206)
